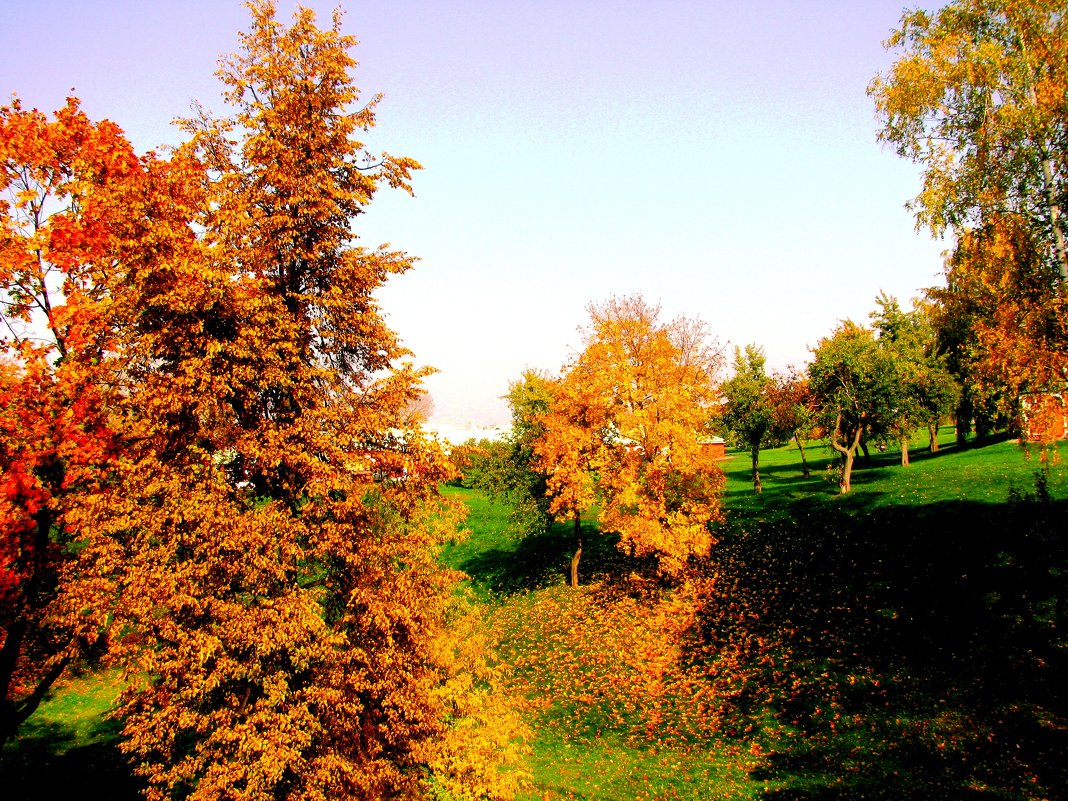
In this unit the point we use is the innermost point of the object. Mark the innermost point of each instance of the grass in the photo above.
(905, 641)
(68, 747)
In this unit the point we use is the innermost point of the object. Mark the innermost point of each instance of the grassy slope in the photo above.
(911, 613)
(919, 645)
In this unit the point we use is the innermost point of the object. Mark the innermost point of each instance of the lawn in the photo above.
(903, 642)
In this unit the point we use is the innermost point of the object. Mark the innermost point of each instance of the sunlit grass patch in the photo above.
(611, 768)
(74, 713)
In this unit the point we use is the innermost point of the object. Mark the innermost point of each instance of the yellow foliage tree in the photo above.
(626, 426)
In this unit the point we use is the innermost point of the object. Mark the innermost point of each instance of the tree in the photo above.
(57, 438)
(625, 425)
(749, 414)
(852, 381)
(1001, 320)
(507, 469)
(792, 410)
(925, 391)
(283, 613)
(978, 98)
(565, 450)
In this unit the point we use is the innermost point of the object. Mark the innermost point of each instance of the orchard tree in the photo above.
(507, 469)
(978, 98)
(853, 384)
(625, 425)
(924, 390)
(749, 413)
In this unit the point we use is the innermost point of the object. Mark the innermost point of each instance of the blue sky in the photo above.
(720, 158)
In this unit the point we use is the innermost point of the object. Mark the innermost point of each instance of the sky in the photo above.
(719, 158)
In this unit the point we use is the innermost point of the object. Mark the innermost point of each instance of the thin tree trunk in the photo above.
(804, 462)
(845, 483)
(578, 550)
(1048, 184)
(756, 468)
(1055, 219)
(905, 450)
(932, 430)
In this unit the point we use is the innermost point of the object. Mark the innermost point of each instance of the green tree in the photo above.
(925, 390)
(854, 386)
(749, 413)
(507, 469)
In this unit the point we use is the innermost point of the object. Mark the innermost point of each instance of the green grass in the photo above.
(615, 768)
(69, 747)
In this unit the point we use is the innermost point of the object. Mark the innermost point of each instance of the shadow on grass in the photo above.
(544, 559)
(48, 761)
(926, 648)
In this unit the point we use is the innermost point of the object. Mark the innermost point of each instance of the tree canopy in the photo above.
(625, 427)
(749, 413)
(977, 97)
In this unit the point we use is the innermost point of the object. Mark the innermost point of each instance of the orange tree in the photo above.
(625, 427)
(1002, 319)
(282, 614)
(57, 437)
(792, 410)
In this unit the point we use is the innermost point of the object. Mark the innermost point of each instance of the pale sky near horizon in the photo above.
(718, 158)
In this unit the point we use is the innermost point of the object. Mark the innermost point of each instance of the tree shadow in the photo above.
(49, 761)
(543, 559)
(925, 646)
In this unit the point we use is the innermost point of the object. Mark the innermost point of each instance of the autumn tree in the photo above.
(1001, 320)
(57, 438)
(564, 451)
(625, 425)
(977, 98)
(749, 413)
(282, 615)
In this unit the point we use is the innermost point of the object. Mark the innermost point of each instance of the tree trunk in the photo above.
(578, 550)
(1049, 187)
(964, 419)
(932, 431)
(13, 713)
(804, 462)
(756, 468)
(864, 448)
(905, 450)
(845, 484)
